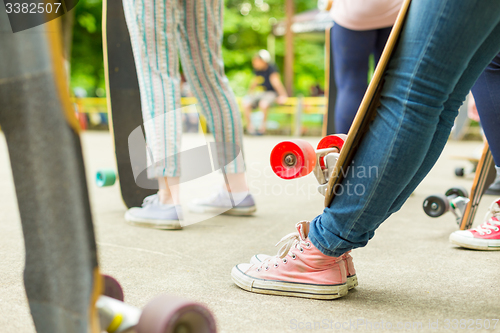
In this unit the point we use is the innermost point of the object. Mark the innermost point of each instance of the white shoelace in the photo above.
(292, 240)
(490, 224)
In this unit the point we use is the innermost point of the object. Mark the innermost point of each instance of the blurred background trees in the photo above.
(247, 26)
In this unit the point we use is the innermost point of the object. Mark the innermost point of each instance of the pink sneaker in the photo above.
(352, 279)
(484, 237)
(299, 269)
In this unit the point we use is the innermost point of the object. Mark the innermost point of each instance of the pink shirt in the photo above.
(365, 14)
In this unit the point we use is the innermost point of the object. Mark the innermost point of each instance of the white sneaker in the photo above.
(223, 202)
(154, 214)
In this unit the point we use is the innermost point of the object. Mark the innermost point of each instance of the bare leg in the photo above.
(236, 182)
(169, 190)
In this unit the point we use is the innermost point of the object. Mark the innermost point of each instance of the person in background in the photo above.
(159, 32)
(361, 29)
(442, 50)
(265, 89)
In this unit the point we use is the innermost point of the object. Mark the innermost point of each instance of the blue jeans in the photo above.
(351, 50)
(444, 47)
(486, 92)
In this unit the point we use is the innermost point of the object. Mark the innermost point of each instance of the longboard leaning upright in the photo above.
(334, 153)
(124, 103)
(366, 111)
(485, 175)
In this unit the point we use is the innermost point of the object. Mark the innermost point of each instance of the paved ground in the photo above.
(409, 273)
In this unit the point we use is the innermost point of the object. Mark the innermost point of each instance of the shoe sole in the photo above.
(154, 224)
(475, 244)
(283, 288)
(247, 211)
(352, 282)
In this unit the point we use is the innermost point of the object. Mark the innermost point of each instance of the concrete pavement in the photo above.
(408, 274)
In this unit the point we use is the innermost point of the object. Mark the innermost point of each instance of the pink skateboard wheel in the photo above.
(172, 314)
(112, 288)
(293, 159)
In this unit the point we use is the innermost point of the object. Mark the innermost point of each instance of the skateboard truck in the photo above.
(454, 200)
(458, 207)
(116, 316)
(322, 174)
(297, 158)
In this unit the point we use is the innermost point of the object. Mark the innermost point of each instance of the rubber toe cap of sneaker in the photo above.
(258, 258)
(243, 267)
(463, 233)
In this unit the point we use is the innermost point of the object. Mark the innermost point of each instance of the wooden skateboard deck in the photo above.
(367, 109)
(485, 175)
(124, 104)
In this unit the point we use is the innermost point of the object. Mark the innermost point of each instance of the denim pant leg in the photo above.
(450, 111)
(425, 83)
(486, 92)
(350, 50)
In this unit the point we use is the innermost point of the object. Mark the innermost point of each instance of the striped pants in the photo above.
(160, 30)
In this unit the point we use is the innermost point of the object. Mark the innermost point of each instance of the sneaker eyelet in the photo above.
(496, 229)
(258, 269)
(301, 250)
(294, 256)
(285, 260)
(488, 232)
(276, 265)
(308, 245)
(267, 268)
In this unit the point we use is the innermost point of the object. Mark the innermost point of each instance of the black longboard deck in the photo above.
(124, 103)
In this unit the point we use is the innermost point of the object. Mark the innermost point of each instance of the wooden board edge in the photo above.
(477, 186)
(61, 83)
(106, 66)
(336, 177)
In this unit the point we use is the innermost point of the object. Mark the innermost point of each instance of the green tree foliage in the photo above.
(247, 25)
(87, 68)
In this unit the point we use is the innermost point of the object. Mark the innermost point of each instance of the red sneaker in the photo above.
(484, 237)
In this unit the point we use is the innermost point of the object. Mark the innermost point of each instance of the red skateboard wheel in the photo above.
(293, 159)
(331, 141)
(172, 314)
